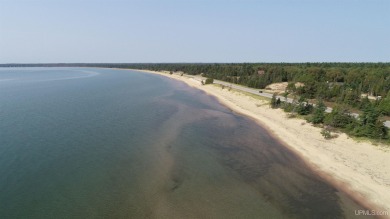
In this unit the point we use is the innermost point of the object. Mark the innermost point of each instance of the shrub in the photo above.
(369, 125)
(209, 81)
(304, 109)
(319, 113)
(339, 118)
(327, 133)
(291, 115)
(288, 107)
(275, 103)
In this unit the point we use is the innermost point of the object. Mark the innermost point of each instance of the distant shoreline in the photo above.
(350, 166)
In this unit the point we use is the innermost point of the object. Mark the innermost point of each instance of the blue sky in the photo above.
(37, 31)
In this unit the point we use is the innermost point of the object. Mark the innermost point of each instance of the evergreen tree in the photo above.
(384, 105)
(319, 113)
(303, 107)
(369, 125)
(340, 117)
(365, 102)
(273, 102)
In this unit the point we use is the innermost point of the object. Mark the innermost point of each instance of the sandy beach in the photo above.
(359, 168)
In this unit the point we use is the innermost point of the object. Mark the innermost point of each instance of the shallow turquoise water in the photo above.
(105, 143)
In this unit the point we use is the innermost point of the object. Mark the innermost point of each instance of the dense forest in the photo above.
(344, 83)
(362, 87)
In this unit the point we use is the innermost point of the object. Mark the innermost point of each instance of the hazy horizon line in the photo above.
(318, 62)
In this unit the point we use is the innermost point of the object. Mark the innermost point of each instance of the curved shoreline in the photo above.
(333, 166)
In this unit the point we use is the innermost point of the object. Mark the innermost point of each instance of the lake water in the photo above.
(105, 143)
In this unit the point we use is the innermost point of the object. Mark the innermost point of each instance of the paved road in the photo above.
(256, 92)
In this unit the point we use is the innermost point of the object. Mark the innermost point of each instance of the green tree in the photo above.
(209, 81)
(364, 103)
(319, 112)
(274, 101)
(303, 107)
(384, 105)
(369, 125)
(340, 117)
